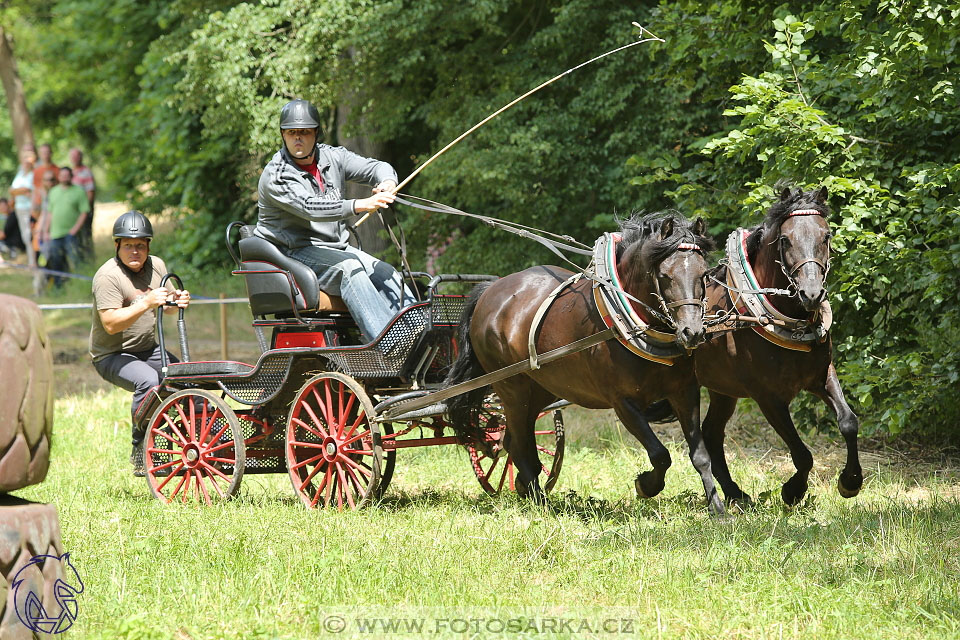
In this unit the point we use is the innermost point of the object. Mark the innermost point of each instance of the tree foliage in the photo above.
(180, 100)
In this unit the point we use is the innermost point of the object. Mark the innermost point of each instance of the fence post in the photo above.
(223, 328)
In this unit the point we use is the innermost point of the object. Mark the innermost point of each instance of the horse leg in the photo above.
(778, 415)
(851, 478)
(686, 405)
(522, 401)
(648, 483)
(714, 430)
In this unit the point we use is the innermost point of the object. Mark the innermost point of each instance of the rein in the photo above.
(557, 247)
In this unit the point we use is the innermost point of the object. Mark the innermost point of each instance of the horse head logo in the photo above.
(28, 592)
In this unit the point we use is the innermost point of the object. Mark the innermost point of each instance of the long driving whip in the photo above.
(515, 101)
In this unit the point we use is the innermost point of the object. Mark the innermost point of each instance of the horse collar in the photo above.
(633, 331)
(796, 334)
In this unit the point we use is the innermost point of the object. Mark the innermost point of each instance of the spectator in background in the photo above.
(83, 177)
(10, 241)
(68, 210)
(44, 164)
(41, 240)
(22, 192)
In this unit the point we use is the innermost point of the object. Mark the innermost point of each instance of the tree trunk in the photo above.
(348, 116)
(13, 87)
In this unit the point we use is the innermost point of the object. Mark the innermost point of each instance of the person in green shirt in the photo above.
(67, 209)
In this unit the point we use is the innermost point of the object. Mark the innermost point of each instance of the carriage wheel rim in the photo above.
(193, 456)
(495, 473)
(333, 449)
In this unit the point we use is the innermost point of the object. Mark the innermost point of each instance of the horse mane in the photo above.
(645, 228)
(790, 200)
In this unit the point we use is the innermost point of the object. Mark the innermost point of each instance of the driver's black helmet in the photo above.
(132, 224)
(299, 114)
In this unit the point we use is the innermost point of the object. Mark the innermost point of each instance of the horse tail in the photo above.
(464, 408)
(660, 411)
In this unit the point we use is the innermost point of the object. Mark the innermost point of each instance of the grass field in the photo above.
(438, 558)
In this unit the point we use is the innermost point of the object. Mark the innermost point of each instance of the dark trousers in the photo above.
(11, 232)
(138, 372)
(62, 256)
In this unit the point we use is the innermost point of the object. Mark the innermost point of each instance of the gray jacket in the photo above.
(293, 212)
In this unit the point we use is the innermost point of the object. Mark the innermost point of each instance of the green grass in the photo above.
(883, 565)
(440, 553)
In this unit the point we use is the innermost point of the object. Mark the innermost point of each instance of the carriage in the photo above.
(317, 404)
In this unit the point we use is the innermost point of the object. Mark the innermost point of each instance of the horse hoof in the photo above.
(792, 495)
(741, 503)
(849, 484)
(643, 486)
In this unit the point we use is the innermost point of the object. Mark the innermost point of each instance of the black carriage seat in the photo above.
(265, 269)
(202, 369)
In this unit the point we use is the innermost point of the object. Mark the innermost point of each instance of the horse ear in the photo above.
(667, 229)
(822, 195)
(699, 227)
(785, 194)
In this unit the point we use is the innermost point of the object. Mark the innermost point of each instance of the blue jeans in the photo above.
(372, 289)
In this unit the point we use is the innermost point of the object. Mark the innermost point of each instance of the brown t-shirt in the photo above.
(115, 287)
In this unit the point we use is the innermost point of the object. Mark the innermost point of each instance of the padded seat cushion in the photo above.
(206, 369)
(257, 250)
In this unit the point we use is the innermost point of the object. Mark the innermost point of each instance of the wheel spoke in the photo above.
(317, 432)
(169, 421)
(304, 463)
(326, 481)
(209, 426)
(356, 482)
(210, 467)
(307, 445)
(223, 445)
(543, 449)
(165, 435)
(186, 489)
(176, 490)
(310, 476)
(313, 416)
(172, 473)
(170, 451)
(353, 439)
(202, 486)
(328, 407)
(344, 488)
(353, 464)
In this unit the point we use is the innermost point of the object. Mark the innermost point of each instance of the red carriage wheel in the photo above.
(333, 447)
(496, 472)
(193, 449)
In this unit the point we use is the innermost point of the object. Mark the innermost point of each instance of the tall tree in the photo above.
(13, 88)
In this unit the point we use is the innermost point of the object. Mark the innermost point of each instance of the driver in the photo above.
(126, 292)
(301, 210)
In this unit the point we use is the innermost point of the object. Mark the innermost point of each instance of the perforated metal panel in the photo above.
(265, 453)
(386, 358)
(264, 384)
(446, 310)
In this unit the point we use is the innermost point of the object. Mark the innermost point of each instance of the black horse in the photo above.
(658, 255)
(790, 251)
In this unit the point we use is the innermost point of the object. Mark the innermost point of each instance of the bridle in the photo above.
(791, 274)
(668, 307)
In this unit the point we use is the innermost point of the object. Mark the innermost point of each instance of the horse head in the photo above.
(796, 237)
(662, 264)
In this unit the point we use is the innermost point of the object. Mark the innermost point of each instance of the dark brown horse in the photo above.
(653, 255)
(789, 251)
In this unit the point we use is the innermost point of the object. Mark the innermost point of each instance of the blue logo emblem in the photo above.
(28, 591)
